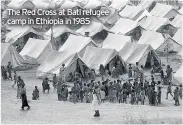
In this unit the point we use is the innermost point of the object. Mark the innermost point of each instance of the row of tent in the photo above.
(82, 50)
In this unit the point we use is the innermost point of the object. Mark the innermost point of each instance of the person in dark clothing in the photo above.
(4, 73)
(55, 81)
(9, 68)
(176, 96)
(159, 94)
(45, 85)
(154, 95)
(102, 71)
(24, 98)
(15, 79)
(162, 74)
(130, 71)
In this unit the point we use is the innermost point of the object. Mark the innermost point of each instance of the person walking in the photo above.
(169, 90)
(24, 98)
(15, 79)
(35, 94)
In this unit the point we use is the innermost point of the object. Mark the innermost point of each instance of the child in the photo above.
(132, 97)
(70, 96)
(114, 95)
(176, 96)
(120, 96)
(125, 96)
(102, 93)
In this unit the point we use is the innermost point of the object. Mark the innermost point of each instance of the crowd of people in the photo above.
(133, 90)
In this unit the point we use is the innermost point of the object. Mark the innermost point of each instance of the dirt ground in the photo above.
(49, 110)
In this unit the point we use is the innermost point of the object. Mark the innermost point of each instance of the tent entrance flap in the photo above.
(151, 60)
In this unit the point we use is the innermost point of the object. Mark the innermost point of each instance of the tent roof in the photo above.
(115, 41)
(178, 74)
(111, 18)
(177, 21)
(130, 12)
(16, 4)
(153, 23)
(120, 4)
(134, 52)
(124, 26)
(9, 54)
(160, 10)
(68, 4)
(74, 44)
(18, 32)
(144, 14)
(154, 39)
(93, 28)
(34, 47)
(54, 61)
(145, 3)
(94, 56)
(57, 31)
(92, 4)
(178, 36)
(181, 11)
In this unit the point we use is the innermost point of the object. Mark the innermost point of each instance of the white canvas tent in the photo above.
(93, 57)
(131, 12)
(141, 53)
(68, 4)
(123, 26)
(36, 50)
(120, 4)
(92, 4)
(163, 10)
(178, 36)
(110, 19)
(9, 54)
(178, 75)
(115, 41)
(76, 44)
(93, 28)
(158, 41)
(54, 62)
(181, 11)
(19, 32)
(177, 21)
(153, 23)
(57, 31)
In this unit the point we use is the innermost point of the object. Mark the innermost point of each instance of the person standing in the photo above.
(24, 98)
(62, 72)
(96, 103)
(176, 96)
(10, 68)
(130, 71)
(55, 81)
(159, 93)
(169, 73)
(35, 94)
(102, 94)
(180, 92)
(102, 71)
(142, 94)
(15, 79)
(20, 83)
(45, 85)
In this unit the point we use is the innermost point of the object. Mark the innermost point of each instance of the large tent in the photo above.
(131, 12)
(178, 36)
(177, 21)
(153, 23)
(178, 75)
(120, 4)
(93, 57)
(9, 54)
(115, 41)
(143, 15)
(111, 18)
(163, 10)
(54, 62)
(36, 50)
(158, 41)
(144, 54)
(76, 44)
(19, 32)
(93, 28)
(124, 26)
